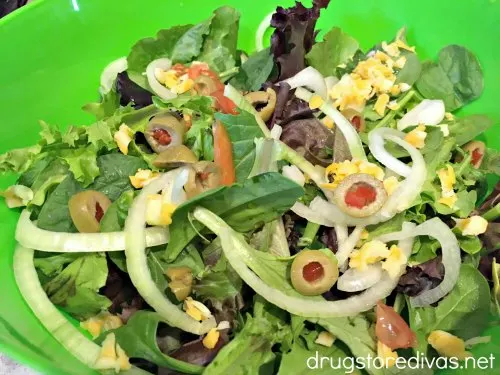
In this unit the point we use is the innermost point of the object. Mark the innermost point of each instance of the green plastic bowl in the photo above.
(53, 53)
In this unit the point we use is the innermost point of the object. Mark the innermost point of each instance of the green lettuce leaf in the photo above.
(18, 160)
(250, 352)
(254, 72)
(76, 287)
(218, 282)
(52, 175)
(82, 163)
(245, 206)
(242, 130)
(108, 105)
(336, 48)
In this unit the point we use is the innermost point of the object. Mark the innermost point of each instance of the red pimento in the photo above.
(476, 156)
(360, 195)
(313, 272)
(356, 121)
(162, 136)
(99, 212)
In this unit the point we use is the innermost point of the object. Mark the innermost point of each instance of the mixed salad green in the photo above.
(235, 213)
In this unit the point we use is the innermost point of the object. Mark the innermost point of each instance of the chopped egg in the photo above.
(386, 354)
(402, 45)
(449, 201)
(100, 323)
(394, 261)
(348, 93)
(444, 129)
(395, 90)
(336, 172)
(371, 252)
(196, 310)
(316, 102)
(184, 85)
(447, 179)
(17, 196)
(328, 122)
(123, 137)
(392, 49)
(404, 87)
(112, 356)
(391, 184)
(224, 324)
(417, 137)
(400, 63)
(364, 236)
(472, 226)
(449, 116)
(159, 212)
(393, 105)
(175, 80)
(211, 339)
(325, 338)
(142, 178)
(381, 103)
(448, 345)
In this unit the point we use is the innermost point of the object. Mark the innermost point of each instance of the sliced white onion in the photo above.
(347, 246)
(293, 173)
(400, 200)
(427, 112)
(313, 216)
(450, 250)
(376, 143)
(261, 30)
(173, 192)
(354, 280)
(108, 75)
(157, 87)
(276, 132)
(236, 251)
(331, 81)
(138, 269)
(348, 130)
(310, 78)
(32, 237)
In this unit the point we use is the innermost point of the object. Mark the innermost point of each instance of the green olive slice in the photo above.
(313, 272)
(87, 209)
(175, 156)
(204, 85)
(164, 131)
(476, 149)
(263, 101)
(203, 176)
(355, 118)
(360, 195)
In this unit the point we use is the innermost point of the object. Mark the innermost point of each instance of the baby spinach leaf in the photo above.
(336, 48)
(465, 129)
(76, 287)
(114, 218)
(411, 70)
(115, 170)
(245, 207)
(470, 244)
(254, 72)
(456, 78)
(424, 249)
(138, 339)
(464, 312)
(491, 161)
(242, 130)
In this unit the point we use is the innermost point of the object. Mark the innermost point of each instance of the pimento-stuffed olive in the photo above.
(164, 131)
(355, 118)
(360, 195)
(87, 210)
(175, 156)
(263, 101)
(203, 176)
(313, 272)
(476, 149)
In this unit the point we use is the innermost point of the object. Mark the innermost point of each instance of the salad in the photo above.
(241, 213)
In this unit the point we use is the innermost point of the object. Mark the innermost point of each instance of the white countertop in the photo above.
(9, 367)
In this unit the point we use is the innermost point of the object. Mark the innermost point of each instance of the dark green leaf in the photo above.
(336, 48)
(114, 218)
(254, 72)
(411, 70)
(109, 103)
(393, 225)
(218, 282)
(242, 130)
(424, 249)
(246, 206)
(138, 339)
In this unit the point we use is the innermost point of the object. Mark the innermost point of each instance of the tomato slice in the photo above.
(392, 330)
(197, 70)
(224, 104)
